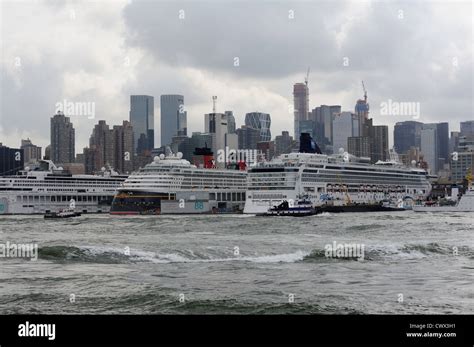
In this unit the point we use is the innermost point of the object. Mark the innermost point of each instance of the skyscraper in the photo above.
(110, 148)
(101, 142)
(260, 121)
(345, 125)
(173, 117)
(62, 139)
(216, 124)
(362, 111)
(142, 119)
(379, 136)
(406, 135)
(323, 117)
(123, 147)
(301, 105)
(429, 146)
(443, 143)
(230, 122)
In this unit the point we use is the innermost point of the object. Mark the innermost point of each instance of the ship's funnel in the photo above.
(308, 145)
(203, 157)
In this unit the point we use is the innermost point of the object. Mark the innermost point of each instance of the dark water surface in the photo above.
(234, 264)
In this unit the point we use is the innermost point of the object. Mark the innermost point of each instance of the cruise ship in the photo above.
(336, 179)
(46, 188)
(172, 185)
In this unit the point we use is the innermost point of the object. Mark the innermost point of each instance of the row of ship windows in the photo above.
(179, 179)
(365, 174)
(188, 184)
(61, 198)
(363, 181)
(67, 184)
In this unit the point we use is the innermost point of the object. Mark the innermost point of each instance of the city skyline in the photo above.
(132, 61)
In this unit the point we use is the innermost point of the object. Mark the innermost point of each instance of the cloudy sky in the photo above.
(103, 51)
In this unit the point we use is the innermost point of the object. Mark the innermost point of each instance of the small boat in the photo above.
(300, 209)
(66, 213)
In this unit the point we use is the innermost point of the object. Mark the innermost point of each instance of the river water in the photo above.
(240, 264)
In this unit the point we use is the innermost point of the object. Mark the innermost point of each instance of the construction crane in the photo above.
(365, 91)
(307, 77)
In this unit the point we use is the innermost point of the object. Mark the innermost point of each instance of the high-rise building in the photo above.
(110, 148)
(379, 148)
(301, 105)
(248, 137)
(173, 117)
(62, 139)
(323, 117)
(345, 125)
(216, 124)
(32, 153)
(230, 122)
(359, 146)
(283, 143)
(362, 112)
(260, 121)
(102, 143)
(142, 119)
(123, 147)
(443, 143)
(429, 146)
(467, 128)
(436, 155)
(11, 160)
(406, 135)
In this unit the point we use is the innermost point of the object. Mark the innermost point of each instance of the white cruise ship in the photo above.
(337, 179)
(172, 185)
(47, 188)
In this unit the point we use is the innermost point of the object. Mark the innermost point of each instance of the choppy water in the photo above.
(279, 258)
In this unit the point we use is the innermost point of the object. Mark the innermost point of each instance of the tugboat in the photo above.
(66, 213)
(301, 208)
